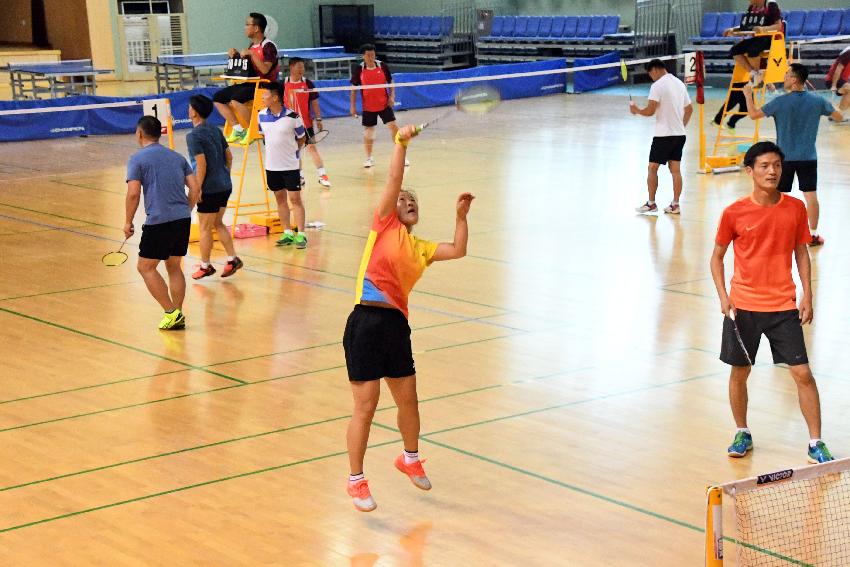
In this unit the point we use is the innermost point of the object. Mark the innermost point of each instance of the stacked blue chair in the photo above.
(612, 25)
(583, 28)
(845, 23)
(557, 28)
(495, 29)
(533, 28)
(545, 28)
(570, 27)
(831, 22)
(414, 27)
(709, 26)
(597, 28)
(814, 21)
(794, 21)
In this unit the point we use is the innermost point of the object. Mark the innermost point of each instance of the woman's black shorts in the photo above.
(377, 344)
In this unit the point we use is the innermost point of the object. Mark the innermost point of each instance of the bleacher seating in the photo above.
(413, 27)
(799, 24)
(533, 29)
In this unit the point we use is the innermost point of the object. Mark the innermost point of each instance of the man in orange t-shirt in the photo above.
(767, 228)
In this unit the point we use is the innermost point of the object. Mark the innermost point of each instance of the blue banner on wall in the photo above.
(122, 120)
(596, 78)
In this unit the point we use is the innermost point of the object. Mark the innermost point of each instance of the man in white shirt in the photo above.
(284, 135)
(670, 104)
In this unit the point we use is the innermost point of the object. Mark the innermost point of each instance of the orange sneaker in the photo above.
(361, 496)
(202, 272)
(415, 472)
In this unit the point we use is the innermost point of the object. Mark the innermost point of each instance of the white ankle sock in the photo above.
(813, 442)
(744, 429)
(650, 203)
(231, 258)
(238, 127)
(321, 171)
(205, 265)
(355, 477)
(289, 232)
(410, 457)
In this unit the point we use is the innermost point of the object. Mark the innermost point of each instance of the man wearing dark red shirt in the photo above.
(376, 101)
(262, 52)
(838, 79)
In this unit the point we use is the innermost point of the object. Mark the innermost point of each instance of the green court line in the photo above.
(66, 290)
(57, 216)
(189, 487)
(92, 386)
(234, 440)
(25, 232)
(81, 186)
(116, 343)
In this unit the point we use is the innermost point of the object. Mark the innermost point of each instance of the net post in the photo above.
(714, 527)
(700, 82)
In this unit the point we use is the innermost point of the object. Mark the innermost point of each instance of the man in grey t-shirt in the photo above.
(162, 174)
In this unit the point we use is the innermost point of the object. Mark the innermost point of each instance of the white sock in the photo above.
(813, 442)
(650, 202)
(814, 231)
(205, 265)
(744, 429)
(231, 258)
(410, 457)
(289, 232)
(355, 477)
(238, 127)
(674, 202)
(321, 171)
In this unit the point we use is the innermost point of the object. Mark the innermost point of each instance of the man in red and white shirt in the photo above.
(230, 101)
(376, 101)
(303, 103)
(838, 79)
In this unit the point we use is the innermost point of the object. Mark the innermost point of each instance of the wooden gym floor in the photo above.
(573, 405)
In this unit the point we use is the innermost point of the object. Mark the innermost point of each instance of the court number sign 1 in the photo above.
(160, 109)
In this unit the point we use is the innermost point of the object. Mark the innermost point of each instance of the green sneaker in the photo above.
(286, 239)
(236, 136)
(173, 321)
(742, 443)
(819, 453)
(300, 241)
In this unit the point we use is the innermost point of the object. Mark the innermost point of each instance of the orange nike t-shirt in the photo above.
(763, 239)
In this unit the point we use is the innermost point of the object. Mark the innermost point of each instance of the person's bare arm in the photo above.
(804, 268)
(228, 159)
(392, 188)
(131, 205)
(836, 76)
(200, 168)
(718, 274)
(689, 111)
(317, 113)
(194, 190)
(650, 109)
(753, 111)
(457, 247)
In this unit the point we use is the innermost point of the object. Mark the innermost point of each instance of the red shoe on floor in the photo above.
(361, 496)
(202, 272)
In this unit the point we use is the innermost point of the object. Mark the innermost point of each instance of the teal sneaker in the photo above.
(819, 453)
(742, 443)
(286, 239)
(300, 241)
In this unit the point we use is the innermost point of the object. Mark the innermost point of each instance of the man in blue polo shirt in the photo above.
(162, 174)
(797, 115)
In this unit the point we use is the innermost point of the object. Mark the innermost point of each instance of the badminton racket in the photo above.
(317, 137)
(115, 258)
(478, 99)
(738, 336)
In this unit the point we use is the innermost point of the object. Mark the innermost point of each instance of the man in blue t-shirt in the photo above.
(162, 174)
(797, 115)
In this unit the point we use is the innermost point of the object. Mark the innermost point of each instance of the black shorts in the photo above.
(161, 241)
(240, 92)
(751, 47)
(666, 148)
(377, 344)
(280, 180)
(806, 172)
(371, 118)
(311, 133)
(782, 329)
(212, 202)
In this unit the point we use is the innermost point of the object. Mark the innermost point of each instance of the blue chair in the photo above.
(447, 25)
(545, 27)
(831, 22)
(597, 24)
(395, 22)
(612, 25)
(725, 21)
(570, 27)
(794, 21)
(845, 23)
(709, 25)
(521, 26)
(583, 27)
(405, 27)
(508, 27)
(496, 29)
(557, 28)
(814, 21)
(533, 27)
(378, 25)
(434, 25)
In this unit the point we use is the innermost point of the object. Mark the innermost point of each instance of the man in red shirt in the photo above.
(838, 79)
(303, 103)
(767, 227)
(376, 101)
(262, 52)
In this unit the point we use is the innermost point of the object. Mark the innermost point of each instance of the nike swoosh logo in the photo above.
(749, 228)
